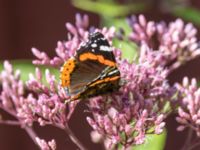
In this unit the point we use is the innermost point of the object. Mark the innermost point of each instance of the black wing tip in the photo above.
(98, 38)
(94, 42)
(96, 35)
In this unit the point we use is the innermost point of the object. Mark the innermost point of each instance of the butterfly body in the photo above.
(93, 70)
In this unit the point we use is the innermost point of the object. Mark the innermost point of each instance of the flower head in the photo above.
(66, 49)
(48, 106)
(43, 103)
(13, 90)
(189, 106)
(21, 105)
(123, 117)
(50, 145)
(77, 33)
(177, 41)
(136, 109)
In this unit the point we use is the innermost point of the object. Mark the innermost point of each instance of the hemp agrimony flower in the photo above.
(121, 118)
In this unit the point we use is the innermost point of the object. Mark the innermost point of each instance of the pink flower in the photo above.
(126, 116)
(123, 117)
(48, 107)
(14, 101)
(77, 33)
(189, 106)
(51, 145)
(177, 41)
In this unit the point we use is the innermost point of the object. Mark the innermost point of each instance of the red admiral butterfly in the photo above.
(93, 71)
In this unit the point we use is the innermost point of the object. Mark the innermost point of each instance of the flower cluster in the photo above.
(177, 41)
(48, 106)
(14, 101)
(189, 107)
(121, 118)
(44, 101)
(12, 95)
(65, 49)
(136, 109)
(50, 145)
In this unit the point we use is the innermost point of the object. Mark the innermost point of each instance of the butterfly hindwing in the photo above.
(107, 81)
(84, 73)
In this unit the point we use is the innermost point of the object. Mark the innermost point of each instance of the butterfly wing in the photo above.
(96, 48)
(84, 73)
(88, 66)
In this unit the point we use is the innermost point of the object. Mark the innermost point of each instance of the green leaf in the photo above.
(187, 13)
(167, 108)
(129, 49)
(198, 84)
(118, 23)
(26, 67)
(109, 8)
(153, 142)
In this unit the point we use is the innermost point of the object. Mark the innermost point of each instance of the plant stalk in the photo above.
(74, 138)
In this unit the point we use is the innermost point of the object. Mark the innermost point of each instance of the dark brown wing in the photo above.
(84, 73)
(91, 59)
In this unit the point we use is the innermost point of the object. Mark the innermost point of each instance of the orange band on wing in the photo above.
(66, 70)
(105, 80)
(99, 58)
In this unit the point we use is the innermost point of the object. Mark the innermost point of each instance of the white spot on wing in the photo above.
(94, 45)
(105, 48)
(82, 44)
(113, 72)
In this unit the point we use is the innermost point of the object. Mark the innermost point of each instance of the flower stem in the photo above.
(188, 140)
(10, 122)
(32, 134)
(74, 138)
(29, 130)
(193, 146)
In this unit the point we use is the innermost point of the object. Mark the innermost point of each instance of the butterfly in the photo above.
(92, 71)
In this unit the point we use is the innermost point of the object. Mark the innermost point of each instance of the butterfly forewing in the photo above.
(96, 45)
